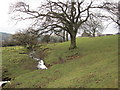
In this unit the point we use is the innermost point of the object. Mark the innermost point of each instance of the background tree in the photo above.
(63, 35)
(26, 39)
(46, 38)
(53, 16)
(6, 43)
(93, 25)
(113, 9)
(67, 37)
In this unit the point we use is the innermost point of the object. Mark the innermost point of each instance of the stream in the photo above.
(41, 64)
(3, 83)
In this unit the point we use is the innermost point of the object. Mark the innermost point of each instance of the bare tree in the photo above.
(63, 34)
(113, 8)
(46, 39)
(54, 16)
(93, 25)
(60, 33)
(26, 39)
(66, 36)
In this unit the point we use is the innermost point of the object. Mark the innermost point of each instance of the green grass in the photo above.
(16, 62)
(93, 64)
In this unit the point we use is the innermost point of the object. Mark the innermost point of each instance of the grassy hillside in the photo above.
(94, 64)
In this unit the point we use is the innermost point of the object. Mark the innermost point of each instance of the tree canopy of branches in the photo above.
(114, 10)
(26, 39)
(93, 25)
(54, 16)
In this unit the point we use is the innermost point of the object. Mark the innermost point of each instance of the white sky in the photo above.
(8, 26)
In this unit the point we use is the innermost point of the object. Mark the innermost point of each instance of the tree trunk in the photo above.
(66, 36)
(63, 36)
(73, 41)
(93, 32)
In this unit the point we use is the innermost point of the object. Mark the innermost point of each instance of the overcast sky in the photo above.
(8, 26)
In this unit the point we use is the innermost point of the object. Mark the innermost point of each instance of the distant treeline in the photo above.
(42, 39)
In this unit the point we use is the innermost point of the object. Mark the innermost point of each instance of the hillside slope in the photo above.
(5, 36)
(94, 64)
